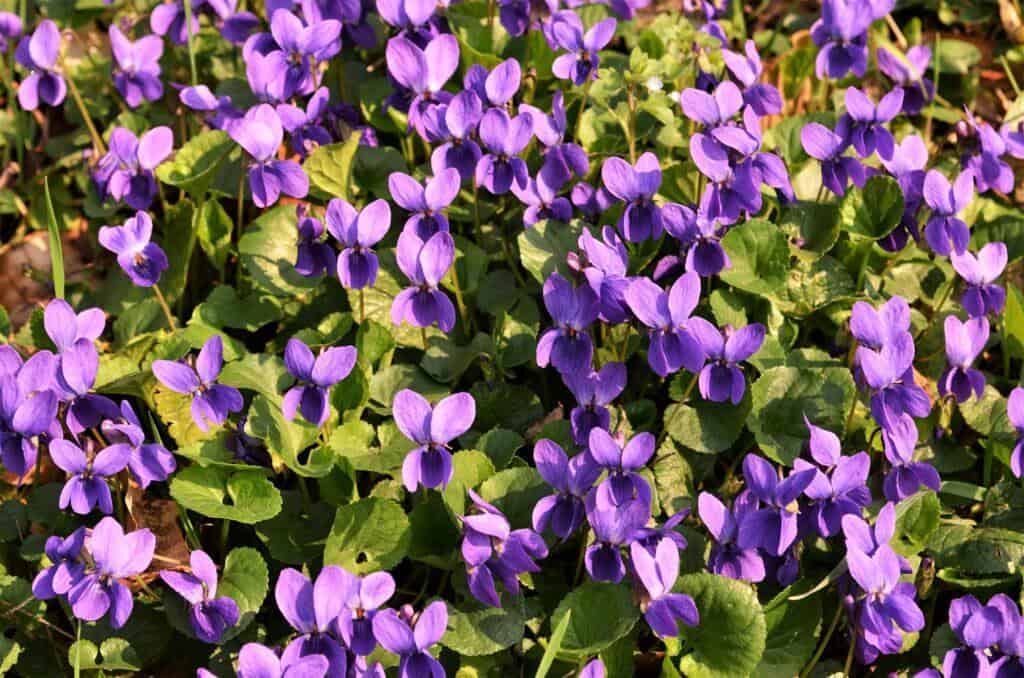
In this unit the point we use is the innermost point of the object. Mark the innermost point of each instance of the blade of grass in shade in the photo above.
(191, 49)
(553, 646)
(56, 250)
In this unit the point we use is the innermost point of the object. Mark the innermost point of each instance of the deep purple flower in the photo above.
(303, 46)
(432, 429)
(721, 378)
(211, 402)
(666, 315)
(168, 19)
(148, 462)
(841, 33)
(358, 232)
(635, 185)
(614, 527)
(141, 260)
(700, 243)
(866, 130)
(978, 627)
(567, 346)
(115, 556)
(209, 615)
(562, 159)
(885, 608)
(734, 187)
(594, 391)
(125, 173)
(39, 53)
(10, 29)
(983, 156)
(453, 124)
(260, 133)
(715, 109)
(582, 61)
(311, 608)
(727, 558)
(219, 110)
(426, 202)
(889, 373)
(774, 527)
(604, 263)
(906, 476)
(908, 71)
(258, 661)
(503, 138)
(28, 407)
(662, 608)
(137, 73)
(313, 256)
(410, 635)
(306, 127)
(875, 329)
(66, 566)
(839, 487)
(622, 462)
(826, 146)
(355, 623)
(590, 201)
(493, 550)
(423, 71)
(763, 99)
(572, 480)
(980, 272)
(423, 303)
(1015, 413)
(411, 16)
(945, 231)
(964, 343)
(316, 375)
(87, 487)
(542, 201)
(497, 87)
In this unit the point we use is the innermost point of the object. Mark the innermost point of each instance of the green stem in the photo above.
(171, 325)
(631, 102)
(849, 658)
(97, 140)
(240, 211)
(191, 48)
(423, 337)
(78, 648)
(689, 389)
(459, 302)
(225, 531)
(477, 230)
(362, 305)
(190, 530)
(824, 642)
(583, 107)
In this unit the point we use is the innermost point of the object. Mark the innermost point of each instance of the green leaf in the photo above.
(330, 168)
(262, 373)
(554, 646)
(988, 415)
(515, 492)
(446, 362)
(707, 427)
(113, 654)
(760, 257)
(386, 383)
(55, 247)
(792, 631)
(194, 165)
(296, 535)
(174, 409)
(353, 440)
(782, 396)
(213, 228)
(813, 285)
(544, 246)
(873, 211)
(479, 631)
(500, 445)
(267, 253)
(730, 639)
(600, 614)
(225, 309)
(917, 517)
(956, 56)
(1013, 322)
(242, 496)
(370, 534)
(288, 439)
(469, 469)
(246, 580)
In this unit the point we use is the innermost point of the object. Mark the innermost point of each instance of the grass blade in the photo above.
(56, 250)
(554, 646)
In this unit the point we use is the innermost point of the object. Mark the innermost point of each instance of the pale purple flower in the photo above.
(219, 110)
(721, 379)
(39, 53)
(306, 127)
(614, 527)
(666, 315)
(622, 462)
(727, 558)
(567, 346)
(148, 462)
(885, 608)
(828, 147)
(260, 133)
(66, 568)
(964, 343)
(423, 303)
(358, 232)
(28, 407)
(581, 62)
(604, 263)
(303, 46)
(763, 99)
(841, 33)
(908, 71)
(875, 329)
(700, 240)
(355, 623)
(313, 256)
(142, 260)
(945, 231)
(1015, 413)
(425, 202)
(980, 271)
(562, 159)
(635, 185)
(594, 391)
(211, 402)
(906, 476)
(889, 373)
(87, 488)
(432, 429)
(658, 573)
(10, 29)
(839, 487)
(315, 376)
(311, 609)
(541, 201)
(571, 479)
(454, 124)
(423, 71)
(714, 109)
(983, 156)
(125, 173)
(866, 120)
(209, 614)
(497, 87)
(115, 556)
(137, 70)
(410, 635)
(168, 19)
(503, 139)
(258, 661)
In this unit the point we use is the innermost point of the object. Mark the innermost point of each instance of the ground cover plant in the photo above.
(511, 337)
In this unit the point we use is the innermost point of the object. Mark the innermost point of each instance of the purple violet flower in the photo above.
(423, 303)
(148, 462)
(774, 527)
(432, 429)
(841, 33)
(28, 407)
(258, 661)
(884, 608)
(763, 99)
(142, 260)
(945, 231)
(305, 127)
(727, 558)
(10, 29)
(39, 53)
(1015, 413)
(313, 256)
(594, 391)
(311, 608)
(137, 73)
(260, 133)
(303, 47)
(622, 462)
(658, 573)
(614, 527)
(426, 202)
(889, 373)
(503, 138)
(410, 635)
(562, 159)
(908, 72)
(712, 110)
(866, 120)
(423, 71)
(315, 376)
(115, 556)
(66, 566)
(355, 623)
(125, 173)
(906, 476)
(571, 479)
(453, 124)
(211, 402)
(827, 147)
(839, 487)
(982, 297)
(964, 343)
(582, 61)
(721, 379)
(358, 232)
(567, 346)
(666, 315)
(542, 201)
(87, 488)
(604, 263)
(209, 615)
(636, 186)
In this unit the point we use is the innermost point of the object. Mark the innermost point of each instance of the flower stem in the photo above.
(477, 231)
(849, 658)
(824, 642)
(423, 337)
(631, 101)
(191, 49)
(97, 140)
(362, 305)
(166, 309)
(78, 648)
(457, 288)
(225, 530)
(583, 107)
(240, 212)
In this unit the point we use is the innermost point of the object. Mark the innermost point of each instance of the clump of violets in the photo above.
(39, 54)
(432, 429)
(839, 487)
(211, 402)
(141, 259)
(494, 552)
(147, 462)
(137, 67)
(209, 614)
(115, 556)
(260, 133)
(728, 558)
(315, 376)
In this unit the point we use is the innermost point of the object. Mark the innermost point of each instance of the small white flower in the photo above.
(654, 84)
